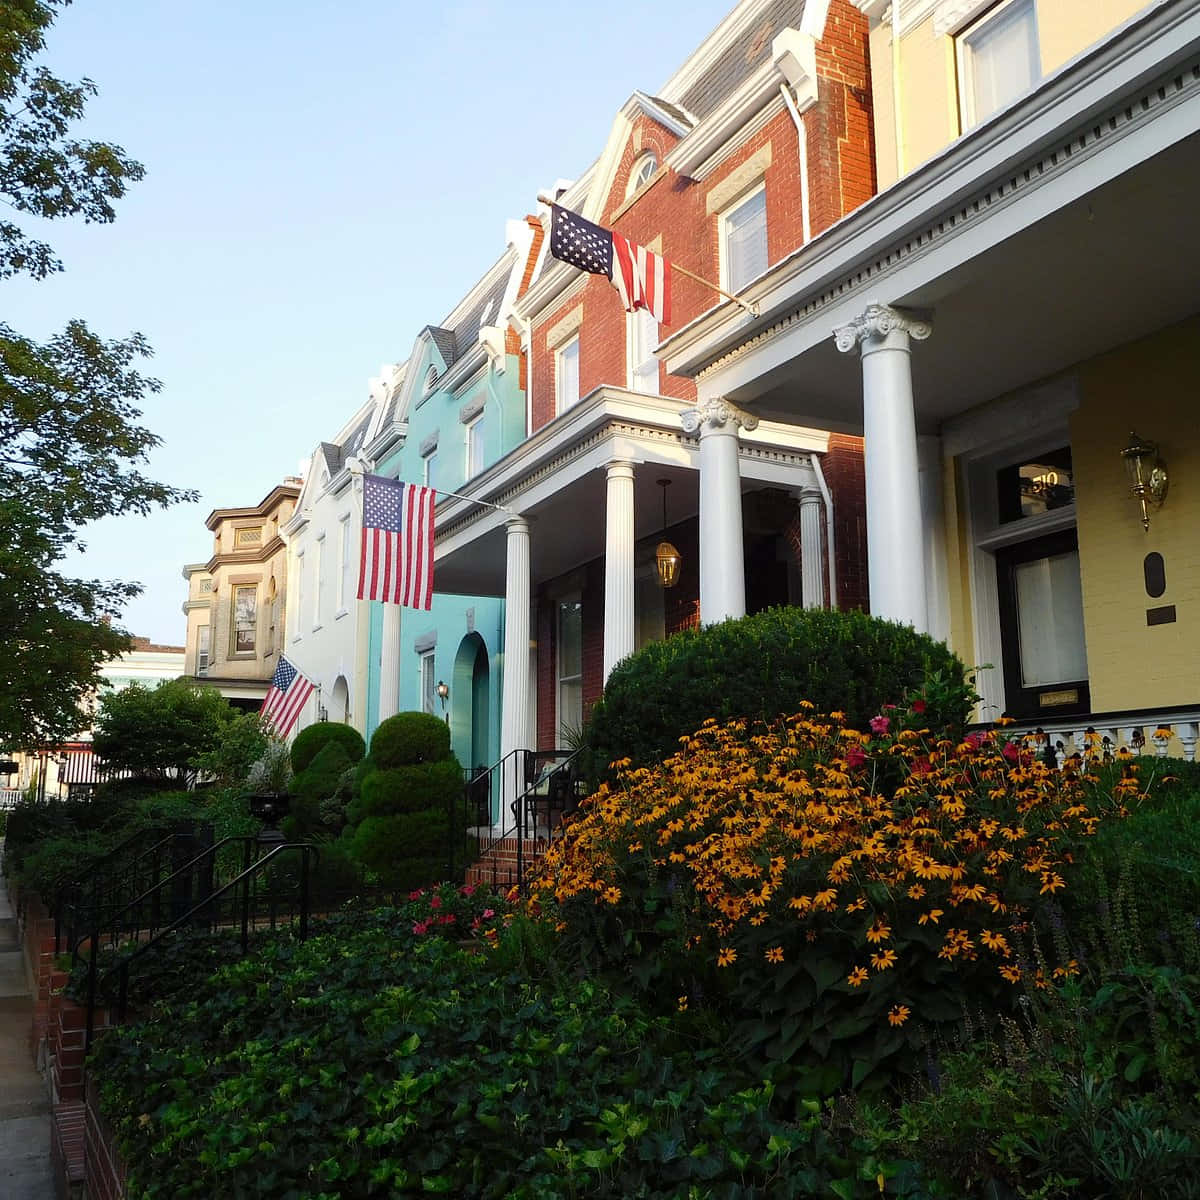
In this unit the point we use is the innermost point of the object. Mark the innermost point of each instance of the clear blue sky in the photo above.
(323, 179)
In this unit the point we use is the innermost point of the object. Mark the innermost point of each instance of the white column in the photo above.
(812, 559)
(722, 571)
(514, 699)
(895, 542)
(618, 565)
(389, 663)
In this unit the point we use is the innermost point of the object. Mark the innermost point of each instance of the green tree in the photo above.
(70, 445)
(162, 732)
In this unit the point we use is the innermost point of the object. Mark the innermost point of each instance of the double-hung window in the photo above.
(743, 240)
(566, 374)
(475, 434)
(203, 646)
(428, 687)
(245, 619)
(345, 583)
(429, 469)
(570, 667)
(998, 59)
(642, 337)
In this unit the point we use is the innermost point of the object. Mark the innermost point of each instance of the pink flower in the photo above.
(855, 757)
(467, 889)
(1011, 752)
(435, 902)
(421, 927)
(920, 766)
(918, 706)
(488, 912)
(889, 708)
(975, 740)
(880, 725)
(417, 894)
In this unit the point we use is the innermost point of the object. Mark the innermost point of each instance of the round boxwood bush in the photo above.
(762, 667)
(312, 739)
(410, 737)
(407, 789)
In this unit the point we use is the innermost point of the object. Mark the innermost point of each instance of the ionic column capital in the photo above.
(879, 320)
(715, 414)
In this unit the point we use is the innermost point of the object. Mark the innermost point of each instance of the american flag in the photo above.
(396, 563)
(641, 277)
(286, 696)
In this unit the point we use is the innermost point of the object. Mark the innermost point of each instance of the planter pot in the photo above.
(270, 808)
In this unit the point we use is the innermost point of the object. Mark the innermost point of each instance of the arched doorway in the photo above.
(469, 712)
(339, 701)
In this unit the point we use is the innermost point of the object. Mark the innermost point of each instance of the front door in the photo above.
(1041, 628)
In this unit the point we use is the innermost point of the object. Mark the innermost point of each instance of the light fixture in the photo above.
(666, 557)
(1147, 474)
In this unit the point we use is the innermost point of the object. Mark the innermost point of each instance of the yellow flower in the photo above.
(726, 957)
(682, 1004)
(879, 932)
(932, 915)
(774, 954)
(898, 1015)
(916, 891)
(994, 941)
(883, 960)
(611, 895)
(1011, 973)
(857, 977)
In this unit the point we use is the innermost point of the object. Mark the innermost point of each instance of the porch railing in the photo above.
(1163, 733)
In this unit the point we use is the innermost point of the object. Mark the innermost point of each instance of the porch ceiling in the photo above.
(1105, 269)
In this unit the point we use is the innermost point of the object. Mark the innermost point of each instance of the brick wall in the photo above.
(670, 213)
(104, 1173)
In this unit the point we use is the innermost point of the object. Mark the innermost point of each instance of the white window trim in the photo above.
(966, 117)
(426, 659)
(470, 469)
(318, 581)
(298, 618)
(559, 677)
(631, 323)
(426, 461)
(200, 671)
(723, 228)
(559, 351)
(345, 566)
(234, 652)
(634, 183)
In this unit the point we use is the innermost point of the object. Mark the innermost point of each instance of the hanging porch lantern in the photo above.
(666, 557)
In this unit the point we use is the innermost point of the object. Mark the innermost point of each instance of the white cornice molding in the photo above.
(711, 49)
(928, 200)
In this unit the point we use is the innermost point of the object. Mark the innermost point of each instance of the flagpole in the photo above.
(745, 305)
(471, 500)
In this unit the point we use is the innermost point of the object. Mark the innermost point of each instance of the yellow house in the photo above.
(1013, 324)
(235, 603)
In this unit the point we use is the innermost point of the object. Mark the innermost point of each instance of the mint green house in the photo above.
(453, 409)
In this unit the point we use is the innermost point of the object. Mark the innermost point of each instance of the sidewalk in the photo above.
(25, 1171)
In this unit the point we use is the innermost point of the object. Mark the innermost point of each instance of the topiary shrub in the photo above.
(400, 817)
(311, 740)
(408, 738)
(762, 667)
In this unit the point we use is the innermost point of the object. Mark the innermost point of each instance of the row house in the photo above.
(757, 144)
(1013, 324)
(235, 600)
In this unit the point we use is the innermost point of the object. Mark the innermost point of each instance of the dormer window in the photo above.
(431, 378)
(643, 171)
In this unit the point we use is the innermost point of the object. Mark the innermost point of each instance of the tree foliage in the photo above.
(161, 732)
(70, 445)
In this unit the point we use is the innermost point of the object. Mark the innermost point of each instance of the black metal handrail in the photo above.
(206, 908)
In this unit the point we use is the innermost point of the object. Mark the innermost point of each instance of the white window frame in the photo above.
(723, 219)
(966, 91)
(429, 468)
(345, 565)
(473, 440)
(298, 619)
(203, 649)
(559, 678)
(318, 580)
(638, 175)
(639, 375)
(560, 351)
(233, 639)
(427, 681)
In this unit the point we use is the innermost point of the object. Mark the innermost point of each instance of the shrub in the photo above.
(860, 920)
(311, 740)
(408, 789)
(410, 737)
(764, 666)
(324, 779)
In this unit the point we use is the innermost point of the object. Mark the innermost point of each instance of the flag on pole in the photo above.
(286, 697)
(641, 277)
(396, 562)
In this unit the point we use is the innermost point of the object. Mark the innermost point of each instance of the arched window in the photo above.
(643, 171)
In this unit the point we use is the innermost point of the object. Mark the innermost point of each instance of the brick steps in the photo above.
(498, 867)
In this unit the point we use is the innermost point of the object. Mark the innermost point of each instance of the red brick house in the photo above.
(760, 141)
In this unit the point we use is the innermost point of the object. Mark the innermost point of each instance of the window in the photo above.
(318, 580)
(643, 172)
(245, 619)
(251, 536)
(475, 435)
(570, 667)
(998, 60)
(429, 469)
(642, 337)
(1038, 485)
(203, 647)
(345, 583)
(743, 240)
(428, 686)
(566, 374)
(298, 619)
